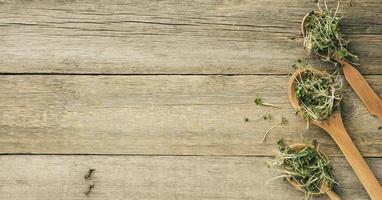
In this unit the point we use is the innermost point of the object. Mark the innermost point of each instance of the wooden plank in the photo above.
(171, 36)
(162, 115)
(152, 177)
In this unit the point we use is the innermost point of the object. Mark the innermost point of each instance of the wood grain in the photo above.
(153, 120)
(147, 177)
(158, 177)
(162, 115)
(172, 36)
(335, 128)
(360, 86)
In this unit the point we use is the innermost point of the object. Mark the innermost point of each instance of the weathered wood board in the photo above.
(172, 36)
(165, 115)
(157, 177)
(154, 96)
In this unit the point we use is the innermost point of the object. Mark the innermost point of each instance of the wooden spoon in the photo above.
(355, 79)
(324, 187)
(335, 128)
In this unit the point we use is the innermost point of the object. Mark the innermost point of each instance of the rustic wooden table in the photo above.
(153, 96)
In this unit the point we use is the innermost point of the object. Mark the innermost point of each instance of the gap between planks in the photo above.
(158, 74)
(156, 155)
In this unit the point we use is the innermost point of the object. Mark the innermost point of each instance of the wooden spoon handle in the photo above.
(332, 195)
(360, 86)
(355, 159)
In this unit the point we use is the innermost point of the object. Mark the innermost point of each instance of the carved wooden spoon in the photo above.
(355, 79)
(324, 187)
(335, 128)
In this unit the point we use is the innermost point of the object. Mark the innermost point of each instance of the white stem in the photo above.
(281, 176)
(271, 105)
(269, 130)
(338, 6)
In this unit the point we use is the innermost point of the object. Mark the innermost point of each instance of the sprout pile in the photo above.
(319, 93)
(307, 167)
(322, 34)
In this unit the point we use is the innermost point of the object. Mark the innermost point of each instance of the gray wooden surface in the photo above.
(153, 96)
(157, 177)
(171, 36)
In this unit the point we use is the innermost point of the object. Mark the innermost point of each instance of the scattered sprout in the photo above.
(266, 115)
(259, 101)
(283, 121)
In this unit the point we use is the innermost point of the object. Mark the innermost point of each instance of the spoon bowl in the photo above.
(324, 186)
(295, 102)
(335, 128)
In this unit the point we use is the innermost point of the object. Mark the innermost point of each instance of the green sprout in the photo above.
(266, 115)
(283, 121)
(259, 101)
(318, 92)
(308, 167)
(322, 34)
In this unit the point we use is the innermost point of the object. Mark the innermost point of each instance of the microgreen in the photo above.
(318, 92)
(259, 101)
(266, 115)
(308, 167)
(284, 120)
(323, 35)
